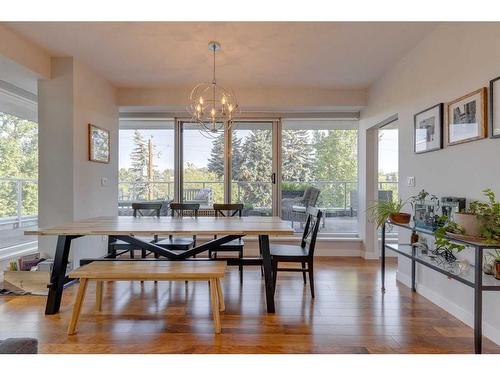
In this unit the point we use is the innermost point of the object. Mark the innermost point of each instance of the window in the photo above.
(310, 155)
(146, 161)
(18, 183)
(252, 167)
(202, 166)
(388, 167)
(321, 154)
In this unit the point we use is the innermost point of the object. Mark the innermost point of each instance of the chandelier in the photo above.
(210, 105)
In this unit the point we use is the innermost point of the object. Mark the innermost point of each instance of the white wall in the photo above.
(453, 60)
(69, 184)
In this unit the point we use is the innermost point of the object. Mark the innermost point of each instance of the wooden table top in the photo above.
(144, 270)
(128, 225)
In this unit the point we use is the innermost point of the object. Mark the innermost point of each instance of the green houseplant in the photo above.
(382, 211)
(488, 217)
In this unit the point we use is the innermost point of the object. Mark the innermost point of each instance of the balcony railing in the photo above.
(18, 202)
(335, 195)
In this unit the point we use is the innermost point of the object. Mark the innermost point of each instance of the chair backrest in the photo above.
(231, 209)
(147, 208)
(311, 229)
(310, 197)
(184, 209)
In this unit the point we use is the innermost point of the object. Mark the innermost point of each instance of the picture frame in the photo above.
(428, 129)
(99, 144)
(494, 106)
(466, 118)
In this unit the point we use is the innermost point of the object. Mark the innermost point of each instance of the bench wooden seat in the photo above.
(149, 270)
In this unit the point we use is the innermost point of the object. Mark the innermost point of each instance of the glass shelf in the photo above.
(460, 241)
(448, 269)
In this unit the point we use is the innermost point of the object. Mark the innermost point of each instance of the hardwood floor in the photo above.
(349, 315)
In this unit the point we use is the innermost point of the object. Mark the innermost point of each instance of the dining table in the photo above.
(132, 230)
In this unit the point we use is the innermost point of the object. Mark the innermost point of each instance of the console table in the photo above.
(473, 277)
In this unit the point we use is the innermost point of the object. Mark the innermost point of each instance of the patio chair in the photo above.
(294, 209)
(203, 196)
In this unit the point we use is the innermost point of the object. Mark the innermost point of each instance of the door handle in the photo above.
(273, 178)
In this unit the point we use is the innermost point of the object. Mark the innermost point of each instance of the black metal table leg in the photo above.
(111, 249)
(413, 268)
(58, 276)
(382, 258)
(478, 301)
(268, 271)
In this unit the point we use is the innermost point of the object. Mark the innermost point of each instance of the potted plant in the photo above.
(482, 218)
(389, 210)
(445, 247)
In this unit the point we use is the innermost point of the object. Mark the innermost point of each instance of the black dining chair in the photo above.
(235, 246)
(140, 209)
(303, 254)
(180, 243)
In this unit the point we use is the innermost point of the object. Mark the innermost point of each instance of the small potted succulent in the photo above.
(389, 210)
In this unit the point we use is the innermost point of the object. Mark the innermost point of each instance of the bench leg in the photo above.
(77, 307)
(215, 305)
(220, 297)
(98, 295)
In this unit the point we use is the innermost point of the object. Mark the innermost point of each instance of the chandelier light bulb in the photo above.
(201, 100)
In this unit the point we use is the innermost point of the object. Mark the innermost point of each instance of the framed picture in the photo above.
(467, 118)
(495, 108)
(428, 129)
(98, 144)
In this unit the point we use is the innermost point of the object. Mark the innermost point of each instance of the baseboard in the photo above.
(489, 331)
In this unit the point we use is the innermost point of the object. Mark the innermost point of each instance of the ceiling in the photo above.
(254, 54)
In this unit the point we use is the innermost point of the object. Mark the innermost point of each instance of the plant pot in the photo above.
(400, 218)
(497, 269)
(469, 222)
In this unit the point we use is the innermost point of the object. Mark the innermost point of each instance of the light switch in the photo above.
(104, 181)
(410, 181)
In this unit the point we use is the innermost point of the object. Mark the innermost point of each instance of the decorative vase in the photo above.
(488, 268)
(400, 218)
(497, 269)
(469, 222)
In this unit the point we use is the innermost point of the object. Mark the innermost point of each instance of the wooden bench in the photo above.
(149, 270)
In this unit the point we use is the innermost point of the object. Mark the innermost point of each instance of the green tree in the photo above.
(256, 169)
(336, 161)
(216, 160)
(297, 156)
(18, 160)
(142, 163)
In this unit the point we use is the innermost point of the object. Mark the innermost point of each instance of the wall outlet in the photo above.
(410, 181)
(104, 181)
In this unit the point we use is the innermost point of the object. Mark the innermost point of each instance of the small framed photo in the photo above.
(428, 129)
(495, 108)
(467, 118)
(99, 146)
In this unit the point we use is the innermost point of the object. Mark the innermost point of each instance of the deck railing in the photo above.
(18, 201)
(335, 195)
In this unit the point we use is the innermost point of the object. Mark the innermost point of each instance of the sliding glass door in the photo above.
(253, 173)
(273, 167)
(202, 166)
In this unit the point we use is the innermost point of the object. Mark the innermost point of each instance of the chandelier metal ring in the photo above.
(211, 105)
